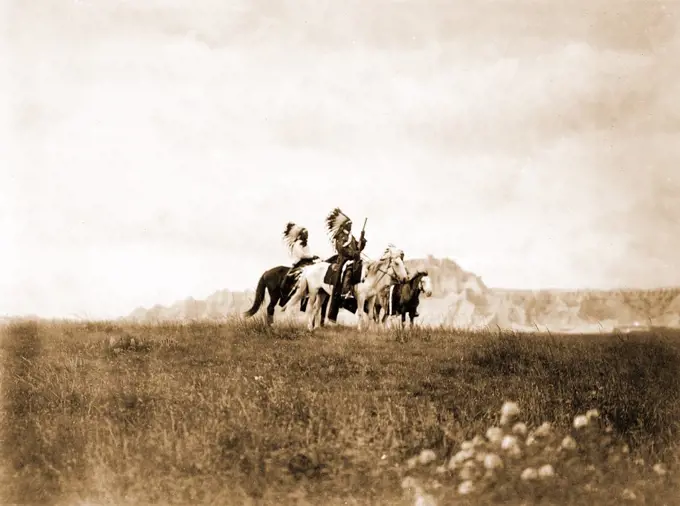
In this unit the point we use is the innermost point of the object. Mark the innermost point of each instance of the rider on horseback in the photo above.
(296, 238)
(347, 248)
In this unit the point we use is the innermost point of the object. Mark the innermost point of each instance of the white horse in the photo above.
(375, 276)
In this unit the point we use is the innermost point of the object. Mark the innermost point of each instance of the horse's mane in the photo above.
(415, 278)
(373, 266)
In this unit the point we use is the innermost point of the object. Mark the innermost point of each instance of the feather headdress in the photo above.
(336, 221)
(291, 234)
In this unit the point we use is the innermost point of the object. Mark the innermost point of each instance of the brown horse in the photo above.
(403, 298)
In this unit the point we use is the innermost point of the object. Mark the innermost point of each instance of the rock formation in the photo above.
(461, 299)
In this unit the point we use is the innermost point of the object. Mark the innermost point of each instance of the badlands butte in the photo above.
(461, 299)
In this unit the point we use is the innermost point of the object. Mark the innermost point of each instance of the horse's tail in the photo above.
(301, 285)
(297, 292)
(259, 297)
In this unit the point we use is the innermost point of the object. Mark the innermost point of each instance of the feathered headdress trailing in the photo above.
(335, 221)
(291, 233)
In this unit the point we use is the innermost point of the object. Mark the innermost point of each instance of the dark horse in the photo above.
(405, 297)
(273, 282)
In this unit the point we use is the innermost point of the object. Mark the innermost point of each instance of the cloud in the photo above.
(534, 144)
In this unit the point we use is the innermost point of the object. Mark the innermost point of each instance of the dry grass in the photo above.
(238, 413)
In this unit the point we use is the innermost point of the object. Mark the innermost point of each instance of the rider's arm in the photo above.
(341, 247)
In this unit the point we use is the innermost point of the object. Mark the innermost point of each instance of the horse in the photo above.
(375, 275)
(404, 298)
(272, 281)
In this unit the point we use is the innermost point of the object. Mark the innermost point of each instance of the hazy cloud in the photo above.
(159, 148)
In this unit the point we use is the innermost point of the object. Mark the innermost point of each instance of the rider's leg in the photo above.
(334, 302)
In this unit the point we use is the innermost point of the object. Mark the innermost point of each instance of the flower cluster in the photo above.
(511, 457)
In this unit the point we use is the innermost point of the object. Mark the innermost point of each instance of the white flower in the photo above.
(592, 413)
(423, 499)
(464, 455)
(544, 430)
(510, 409)
(511, 446)
(580, 421)
(466, 487)
(660, 469)
(494, 434)
(426, 456)
(531, 440)
(492, 461)
(478, 440)
(514, 451)
(628, 494)
(440, 470)
(460, 457)
(508, 442)
(529, 474)
(520, 429)
(509, 412)
(467, 445)
(411, 463)
(568, 443)
(546, 471)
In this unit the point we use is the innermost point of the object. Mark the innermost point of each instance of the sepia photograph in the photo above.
(340, 253)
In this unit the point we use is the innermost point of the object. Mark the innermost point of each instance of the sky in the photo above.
(156, 149)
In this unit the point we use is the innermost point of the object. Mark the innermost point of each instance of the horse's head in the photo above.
(394, 260)
(425, 283)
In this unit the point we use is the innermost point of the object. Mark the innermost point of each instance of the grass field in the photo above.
(102, 413)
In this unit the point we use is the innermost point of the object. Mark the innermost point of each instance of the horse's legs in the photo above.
(296, 297)
(370, 317)
(312, 305)
(360, 313)
(273, 301)
(320, 298)
(323, 298)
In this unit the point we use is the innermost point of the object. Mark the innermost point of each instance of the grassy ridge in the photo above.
(239, 413)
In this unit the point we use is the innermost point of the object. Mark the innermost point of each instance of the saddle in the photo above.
(350, 268)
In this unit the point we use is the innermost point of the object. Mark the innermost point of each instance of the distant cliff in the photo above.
(460, 298)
